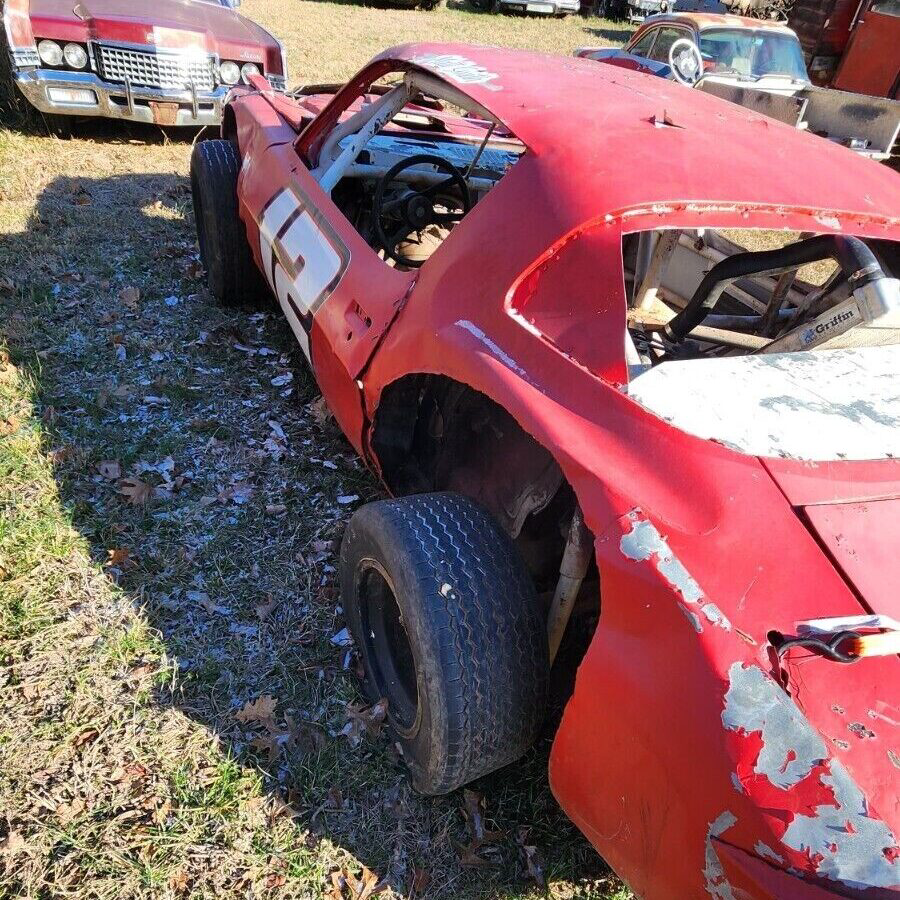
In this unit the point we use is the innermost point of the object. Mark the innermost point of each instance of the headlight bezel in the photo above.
(227, 68)
(50, 52)
(75, 48)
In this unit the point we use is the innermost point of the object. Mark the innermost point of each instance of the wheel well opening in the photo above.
(229, 124)
(432, 433)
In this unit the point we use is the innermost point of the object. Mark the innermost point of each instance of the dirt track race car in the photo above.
(638, 420)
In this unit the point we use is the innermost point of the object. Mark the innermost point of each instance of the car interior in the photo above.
(720, 292)
(409, 160)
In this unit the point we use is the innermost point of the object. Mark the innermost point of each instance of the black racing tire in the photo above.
(450, 631)
(231, 272)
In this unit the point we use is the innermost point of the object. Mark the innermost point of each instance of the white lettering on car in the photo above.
(303, 258)
(457, 68)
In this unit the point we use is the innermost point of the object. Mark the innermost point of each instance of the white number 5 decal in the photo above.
(302, 256)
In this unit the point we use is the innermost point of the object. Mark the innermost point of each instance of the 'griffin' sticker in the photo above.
(457, 68)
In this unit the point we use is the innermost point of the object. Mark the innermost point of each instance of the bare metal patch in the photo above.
(791, 747)
(852, 846)
(766, 852)
(848, 844)
(644, 543)
(717, 885)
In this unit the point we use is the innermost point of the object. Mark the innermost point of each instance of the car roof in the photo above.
(701, 21)
(613, 139)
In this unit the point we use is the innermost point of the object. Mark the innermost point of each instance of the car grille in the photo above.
(149, 68)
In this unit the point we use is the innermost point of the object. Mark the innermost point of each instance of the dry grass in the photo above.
(327, 41)
(132, 634)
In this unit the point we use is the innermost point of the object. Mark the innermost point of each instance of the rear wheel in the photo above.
(450, 631)
(232, 275)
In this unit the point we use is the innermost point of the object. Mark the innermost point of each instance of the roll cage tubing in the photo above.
(310, 144)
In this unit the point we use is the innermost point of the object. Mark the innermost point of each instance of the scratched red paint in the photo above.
(643, 761)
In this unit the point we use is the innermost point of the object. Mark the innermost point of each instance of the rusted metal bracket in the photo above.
(572, 569)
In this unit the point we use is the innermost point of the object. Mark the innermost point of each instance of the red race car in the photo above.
(171, 62)
(634, 386)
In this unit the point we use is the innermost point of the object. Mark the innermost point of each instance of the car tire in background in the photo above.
(232, 275)
(451, 633)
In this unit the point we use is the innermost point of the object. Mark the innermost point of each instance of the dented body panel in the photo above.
(698, 762)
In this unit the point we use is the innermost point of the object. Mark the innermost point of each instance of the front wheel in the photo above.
(450, 631)
(231, 272)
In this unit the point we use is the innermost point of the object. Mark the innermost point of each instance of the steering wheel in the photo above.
(416, 208)
(685, 61)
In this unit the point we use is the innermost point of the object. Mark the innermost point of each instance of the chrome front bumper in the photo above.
(542, 7)
(45, 89)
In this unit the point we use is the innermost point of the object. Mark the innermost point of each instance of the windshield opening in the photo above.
(752, 54)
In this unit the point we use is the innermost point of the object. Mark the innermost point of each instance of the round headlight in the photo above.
(230, 72)
(75, 56)
(248, 70)
(50, 53)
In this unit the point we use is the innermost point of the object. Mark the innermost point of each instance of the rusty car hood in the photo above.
(164, 23)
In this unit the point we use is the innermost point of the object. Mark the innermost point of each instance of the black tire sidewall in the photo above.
(429, 732)
(475, 629)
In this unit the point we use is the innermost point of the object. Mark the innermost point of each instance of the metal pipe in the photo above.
(853, 256)
(572, 569)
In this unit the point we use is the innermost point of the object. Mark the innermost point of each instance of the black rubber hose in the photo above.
(855, 259)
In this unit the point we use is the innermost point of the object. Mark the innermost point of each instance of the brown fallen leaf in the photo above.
(264, 610)
(119, 558)
(85, 737)
(10, 425)
(110, 469)
(419, 883)
(534, 860)
(138, 492)
(473, 812)
(258, 710)
(364, 720)
(130, 296)
(13, 843)
(320, 411)
(178, 882)
(346, 886)
(68, 812)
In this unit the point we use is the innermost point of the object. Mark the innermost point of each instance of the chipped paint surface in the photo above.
(841, 838)
(766, 852)
(717, 885)
(791, 747)
(493, 348)
(852, 847)
(644, 543)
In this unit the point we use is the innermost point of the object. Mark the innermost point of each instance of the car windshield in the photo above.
(752, 53)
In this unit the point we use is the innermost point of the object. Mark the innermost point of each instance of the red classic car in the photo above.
(638, 418)
(171, 62)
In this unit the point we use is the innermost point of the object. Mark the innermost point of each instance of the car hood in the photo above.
(165, 23)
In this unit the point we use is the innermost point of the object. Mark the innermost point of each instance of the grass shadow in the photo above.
(615, 32)
(207, 490)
